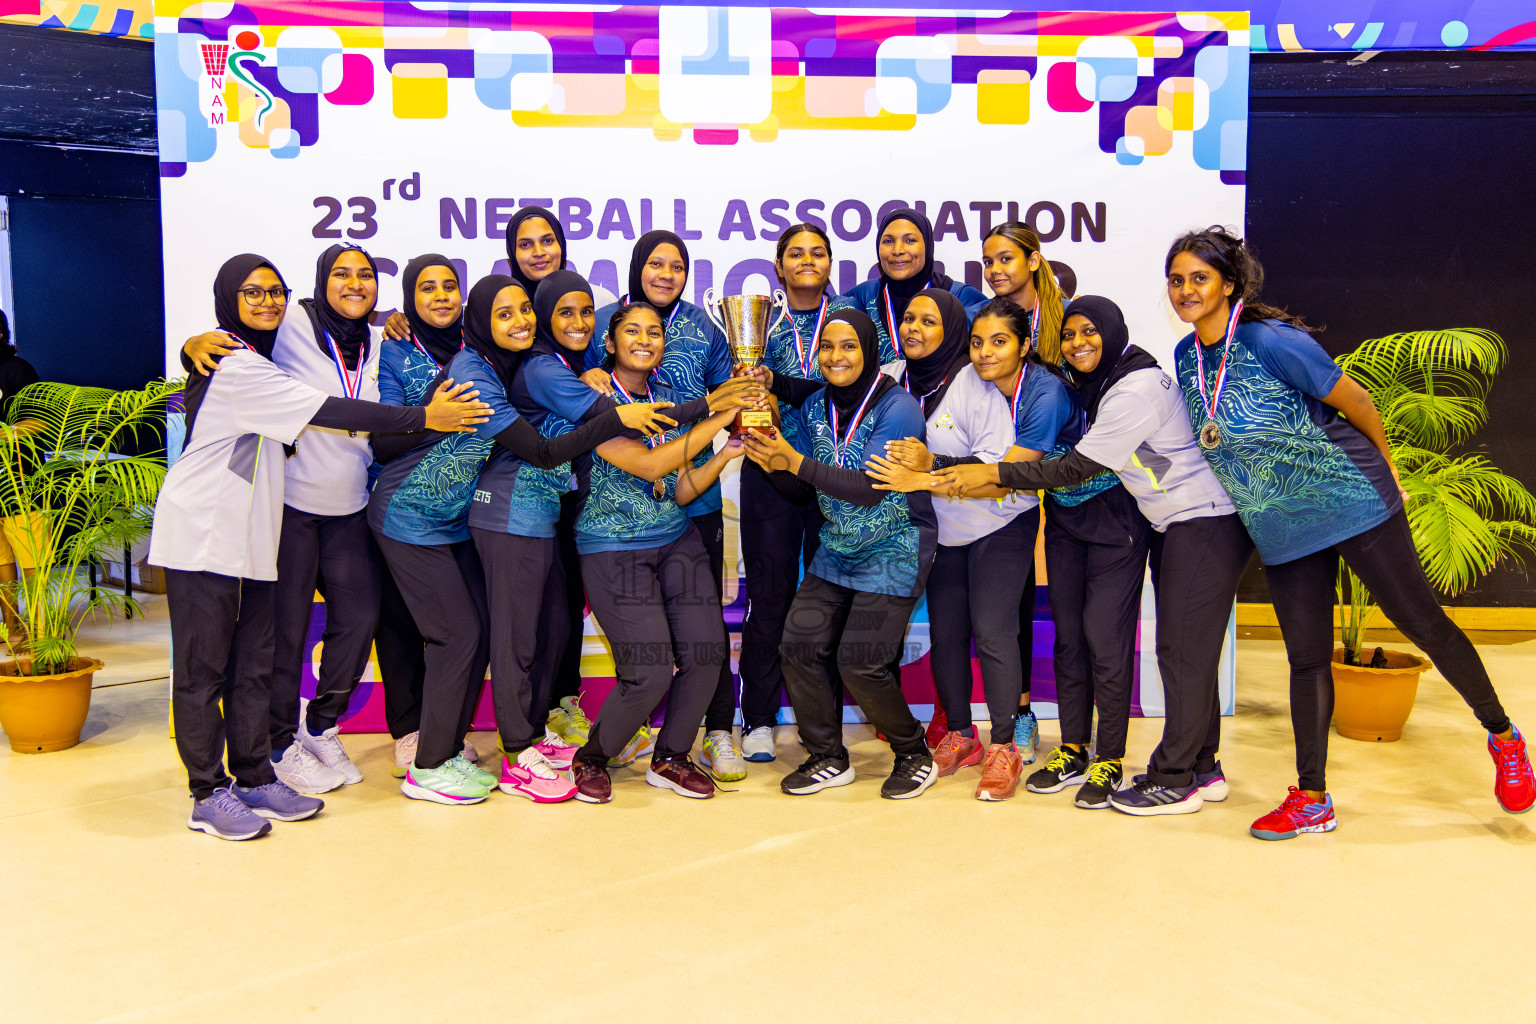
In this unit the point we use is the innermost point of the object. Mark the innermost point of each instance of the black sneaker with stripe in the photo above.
(913, 774)
(819, 772)
(1066, 767)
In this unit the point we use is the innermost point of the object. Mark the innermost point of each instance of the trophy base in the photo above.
(752, 419)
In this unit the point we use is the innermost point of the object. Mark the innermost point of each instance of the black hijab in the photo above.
(929, 378)
(442, 343)
(477, 326)
(528, 213)
(227, 300)
(901, 292)
(545, 298)
(846, 399)
(1118, 356)
(642, 252)
(348, 334)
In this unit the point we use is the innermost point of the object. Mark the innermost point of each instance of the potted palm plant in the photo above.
(1431, 388)
(63, 475)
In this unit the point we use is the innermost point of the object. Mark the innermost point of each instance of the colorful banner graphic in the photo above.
(286, 126)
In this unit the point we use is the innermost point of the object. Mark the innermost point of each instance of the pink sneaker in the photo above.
(557, 752)
(533, 777)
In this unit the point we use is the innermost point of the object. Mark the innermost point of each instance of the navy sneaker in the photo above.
(1212, 785)
(278, 802)
(1144, 797)
(224, 816)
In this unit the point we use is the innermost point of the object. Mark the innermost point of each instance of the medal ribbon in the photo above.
(1221, 371)
(650, 442)
(1034, 327)
(921, 398)
(351, 381)
(890, 314)
(430, 358)
(853, 424)
(800, 347)
(1018, 391)
(239, 340)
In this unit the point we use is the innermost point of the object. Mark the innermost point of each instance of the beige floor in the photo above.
(755, 906)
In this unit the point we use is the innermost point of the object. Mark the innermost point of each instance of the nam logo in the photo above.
(217, 60)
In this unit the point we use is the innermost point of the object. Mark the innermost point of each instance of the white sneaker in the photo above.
(302, 772)
(757, 744)
(405, 753)
(721, 758)
(328, 751)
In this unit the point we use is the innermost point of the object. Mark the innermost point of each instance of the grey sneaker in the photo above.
(277, 802)
(302, 772)
(1145, 797)
(328, 751)
(224, 816)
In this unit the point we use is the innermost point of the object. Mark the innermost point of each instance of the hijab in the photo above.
(545, 298)
(441, 343)
(227, 300)
(529, 213)
(846, 399)
(477, 326)
(929, 378)
(646, 245)
(901, 292)
(1118, 356)
(348, 334)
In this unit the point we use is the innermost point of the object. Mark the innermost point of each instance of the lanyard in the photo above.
(1034, 327)
(650, 442)
(853, 425)
(905, 383)
(236, 338)
(351, 381)
(800, 346)
(431, 358)
(1221, 371)
(890, 314)
(1018, 391)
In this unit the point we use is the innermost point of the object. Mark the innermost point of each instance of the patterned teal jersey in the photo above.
(869, 296)
(624, 512)
(791, 352)
(886, 549)
(516, 497)
(405, 373)
(696, 359)
(1301, 477)
(423, 497)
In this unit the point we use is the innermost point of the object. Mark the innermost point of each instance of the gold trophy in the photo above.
(744, 321)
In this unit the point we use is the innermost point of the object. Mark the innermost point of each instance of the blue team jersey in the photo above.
(887, 549)
(1301, 477)
(405, 375)
(869, 296)
(791, 352)
(697, 359)
(1071, 432)
(423, 496)
(623, 512)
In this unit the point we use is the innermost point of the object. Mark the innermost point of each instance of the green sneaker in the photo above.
(472, 771)
(444, 784)
(569, 722)
(642, 743)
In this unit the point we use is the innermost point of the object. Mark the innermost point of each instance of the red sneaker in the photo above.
(938, 727)
(1513, 785)
(1298, 814)
(954, 752)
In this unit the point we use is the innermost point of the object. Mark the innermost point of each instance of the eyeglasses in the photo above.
(256, 296)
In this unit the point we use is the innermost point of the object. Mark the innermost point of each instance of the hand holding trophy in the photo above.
(744, 321)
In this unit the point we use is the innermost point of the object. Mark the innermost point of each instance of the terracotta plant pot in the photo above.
(1373, 704)
(44, 713)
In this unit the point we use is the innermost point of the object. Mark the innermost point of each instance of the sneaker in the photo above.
(936, 728)
(533, 776)
(1026, 735)
(819, 772)
(1065, 768)
(1298, 814)
(328, 751)
(473, 772)
(557, 752)
(405, 753)
(1104, 777)
(721, 758)
(302, 772)
(681, 776)
(954, 752)
(444, 784)
(570, 722)
(1000, 773)
(641, 744)
(1145, 797)
(757, 745)
(1212, 785)
(279, 803)
(912, 774)
(592, 783)
(225, 816)
(1513, 784)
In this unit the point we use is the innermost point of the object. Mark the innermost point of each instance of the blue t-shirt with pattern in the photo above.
(423, 496)
(791, 351)
(1301, 477)
(624, 512)
(516, 497)
(886, 549)
(405, 375)
(869, 297)
(697, 359)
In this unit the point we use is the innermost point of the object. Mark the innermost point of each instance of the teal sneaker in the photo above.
(1026, 735)
(444, 784)
(471, 771)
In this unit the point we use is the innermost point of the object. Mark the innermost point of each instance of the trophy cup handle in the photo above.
(783, 303)
(711, 309)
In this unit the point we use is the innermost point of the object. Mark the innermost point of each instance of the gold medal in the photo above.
(1210, 435)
